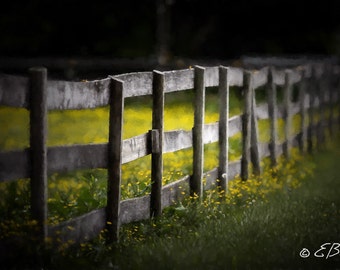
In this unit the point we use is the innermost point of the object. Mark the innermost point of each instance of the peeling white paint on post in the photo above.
(196, 183)
(38, 149)
(114, 159)
(157, 135)
(223, 141)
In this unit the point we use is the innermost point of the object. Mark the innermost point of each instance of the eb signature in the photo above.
(326, 251)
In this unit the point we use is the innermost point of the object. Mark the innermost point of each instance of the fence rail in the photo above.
(317, 84)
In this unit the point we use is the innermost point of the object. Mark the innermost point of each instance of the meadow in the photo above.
(75, 193)
(78, 192)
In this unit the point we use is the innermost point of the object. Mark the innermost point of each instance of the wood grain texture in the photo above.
(77, 95)
(136, 83)
(178, 80)
(196, 184)
(135, 209)
(79, 229)
(114, 156)
(172, 193)
(158, 86)
(246, 124)
(177, 140)
(223, 128)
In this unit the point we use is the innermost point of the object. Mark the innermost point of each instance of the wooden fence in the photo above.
(318, 88)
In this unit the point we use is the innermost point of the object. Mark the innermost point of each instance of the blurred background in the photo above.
(122, 36)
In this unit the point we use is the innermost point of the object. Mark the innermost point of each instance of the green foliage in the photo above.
(261, 223)
(238, 226)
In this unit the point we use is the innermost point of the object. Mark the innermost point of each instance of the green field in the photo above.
(78, 192)
(264, 223)
(249, 206)
(72, 194)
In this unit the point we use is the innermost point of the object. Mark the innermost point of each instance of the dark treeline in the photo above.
(215, 28)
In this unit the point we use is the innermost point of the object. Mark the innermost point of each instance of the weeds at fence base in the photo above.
(186, 219)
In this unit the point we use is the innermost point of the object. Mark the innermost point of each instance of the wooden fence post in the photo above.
(311, 127)
(114, 159)
(246, 124)
(223, 92)
(38, 149)
(337, 89)
(331, 101)
(335, 98)
(287, 92)
(321, 109)
(272, 111)
(254, 142)
(157, 143)
(328, 100)
(302, 97)
(196, 183)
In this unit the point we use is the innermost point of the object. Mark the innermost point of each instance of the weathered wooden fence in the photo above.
(317, 84)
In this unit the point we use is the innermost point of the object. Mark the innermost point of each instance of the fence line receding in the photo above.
(317, 84)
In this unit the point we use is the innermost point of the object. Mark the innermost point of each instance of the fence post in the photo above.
(302, 97)
(223, 132)
(254, 142)
(287, 92)
(38, 149)
(196, 183)
(337, 89)
(157, 143)
(272, 111)
(311, 128)
(331, 101)
(321, 108)
(335, 98)
(328, 100)
(114, 159)
(246, 124)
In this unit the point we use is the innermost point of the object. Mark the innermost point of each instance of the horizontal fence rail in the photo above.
(318, 88)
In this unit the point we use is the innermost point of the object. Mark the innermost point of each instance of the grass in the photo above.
(256, 218)
(74, 193)
(262, 224)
